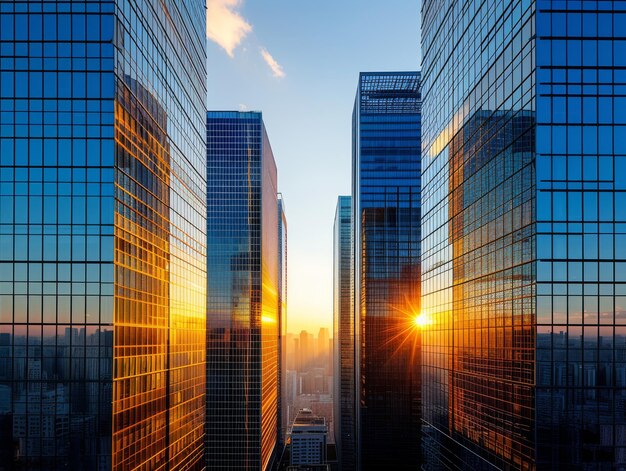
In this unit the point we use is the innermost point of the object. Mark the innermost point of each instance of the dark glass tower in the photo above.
(343, 337)
(243, 315)
(102, 234)
(386, 216)
(524, 266)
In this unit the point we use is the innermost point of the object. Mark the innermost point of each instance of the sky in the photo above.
(298, 62)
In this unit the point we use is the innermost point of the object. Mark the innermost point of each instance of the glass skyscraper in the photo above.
(283, 411)
(524, 234)
(343, 337)
(102, 234)
(243, 315)
(386, 226)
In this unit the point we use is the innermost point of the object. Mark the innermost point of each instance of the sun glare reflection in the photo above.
(422, 320)
(406, 334)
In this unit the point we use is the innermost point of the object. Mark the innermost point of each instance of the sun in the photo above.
(422, 320)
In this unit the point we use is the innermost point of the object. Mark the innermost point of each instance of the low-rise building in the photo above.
(308, 439)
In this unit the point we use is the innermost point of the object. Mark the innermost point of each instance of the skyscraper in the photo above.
(343, 334)
(322, 348)
(524, 267)
(282, 316)
(102, 234)
(243, 323)
(307, 350)
(386, 219)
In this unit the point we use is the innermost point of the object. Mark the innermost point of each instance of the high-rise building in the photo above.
(102, 234)
(243, 323)
(283, 410)
(524, 252)
(322, 347)
(343, 333)
(307, 350)
(386, 220)
(297, 354)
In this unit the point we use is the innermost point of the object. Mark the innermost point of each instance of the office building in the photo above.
(386, 227)
(308, 439)
(102, 234)
(243, 323)
(307, 350)
(343, 335)
(283, 407)
(322, 348)
(524, 203)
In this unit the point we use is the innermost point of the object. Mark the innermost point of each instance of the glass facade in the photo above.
(343, 336)
(102, 234)
(523, 272)
(243, 324)
(283, 411)
(386, 216)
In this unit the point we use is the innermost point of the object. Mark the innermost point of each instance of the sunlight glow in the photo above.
(422, 320)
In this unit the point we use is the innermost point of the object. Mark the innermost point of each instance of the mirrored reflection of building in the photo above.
(343, 335)
(523, 271)
(386, 218)
(102, 235)
(243, 315)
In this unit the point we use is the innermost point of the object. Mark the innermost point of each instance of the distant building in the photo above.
(343, 334)
(243, 312)
(307, 350)
(283, 412)
(322, 347)
(308, 439)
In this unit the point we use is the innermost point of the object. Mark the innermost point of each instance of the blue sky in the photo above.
(298, 62)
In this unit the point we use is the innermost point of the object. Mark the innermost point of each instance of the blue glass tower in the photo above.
(386, 226)
(524, 269)
(102, 234)
(243, 315)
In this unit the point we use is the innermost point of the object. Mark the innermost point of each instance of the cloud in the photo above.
(277, 69)
(224, 25)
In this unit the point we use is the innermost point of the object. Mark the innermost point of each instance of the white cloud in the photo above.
(224, 25)
(277, 69)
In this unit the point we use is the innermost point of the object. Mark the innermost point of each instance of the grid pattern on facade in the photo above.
(386, 212)
(581, 227)
(343, 337)
(523, 215)
(160, 237)
(56, 234)
(478, 245)
(242, 297)
(95, 178)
